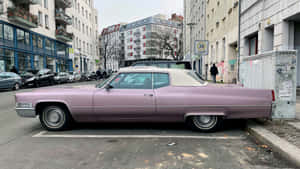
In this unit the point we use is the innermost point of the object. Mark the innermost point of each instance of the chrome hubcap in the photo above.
(54, 118)
(205, 122)
(16, 86)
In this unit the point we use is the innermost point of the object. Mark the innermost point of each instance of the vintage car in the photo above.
(146, 94)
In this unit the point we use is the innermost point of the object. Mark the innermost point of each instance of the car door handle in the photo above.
(148, 95)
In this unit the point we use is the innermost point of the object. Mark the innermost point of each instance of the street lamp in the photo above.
(191, 42)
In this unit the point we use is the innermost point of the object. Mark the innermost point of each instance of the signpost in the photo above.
(201, 49)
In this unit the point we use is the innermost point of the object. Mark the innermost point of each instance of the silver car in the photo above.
(9, 80)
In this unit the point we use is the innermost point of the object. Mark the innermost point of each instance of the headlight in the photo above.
(24, 105)
(31, 79)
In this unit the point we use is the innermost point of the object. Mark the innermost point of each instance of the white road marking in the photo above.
(44, 134)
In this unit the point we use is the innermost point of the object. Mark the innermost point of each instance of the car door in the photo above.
(4, 80)
(129, 96)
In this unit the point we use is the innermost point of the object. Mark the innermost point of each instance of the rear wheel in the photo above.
(205, 123)
(55, 118)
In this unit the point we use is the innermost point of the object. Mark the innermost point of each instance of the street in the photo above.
(25, 145)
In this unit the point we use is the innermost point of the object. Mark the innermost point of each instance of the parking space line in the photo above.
(44, 134)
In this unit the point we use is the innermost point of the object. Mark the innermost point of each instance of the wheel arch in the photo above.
(42, 104)
(191, 114)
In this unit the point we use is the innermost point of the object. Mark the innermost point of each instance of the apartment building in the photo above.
(195, 25)
(85, 30)
(152, 38)
(222, 27)
(111, 48)
(268, 26)
(47, 29)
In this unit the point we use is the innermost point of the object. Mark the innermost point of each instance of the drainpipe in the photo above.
(239, 44)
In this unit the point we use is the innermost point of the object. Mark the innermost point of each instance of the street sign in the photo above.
(201, 47)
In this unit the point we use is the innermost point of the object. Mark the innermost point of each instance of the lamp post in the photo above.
(191, 42)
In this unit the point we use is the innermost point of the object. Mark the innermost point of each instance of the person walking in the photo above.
(214, 72)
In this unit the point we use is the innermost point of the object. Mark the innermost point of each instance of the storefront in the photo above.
(27, 50)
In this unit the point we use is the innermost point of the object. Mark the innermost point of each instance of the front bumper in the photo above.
(26, 112)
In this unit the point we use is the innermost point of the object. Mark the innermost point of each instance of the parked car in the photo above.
(92, 76)
(146, 95)
(45, 77)
(28, 79)
(74, 77)
(84, 77)
(9, 80)
(61, 77)
(165, 64)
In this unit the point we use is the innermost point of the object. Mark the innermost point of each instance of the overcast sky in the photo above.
(116, 11)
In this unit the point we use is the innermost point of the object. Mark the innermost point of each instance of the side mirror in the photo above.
(108, 87)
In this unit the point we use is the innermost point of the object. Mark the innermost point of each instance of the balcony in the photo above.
(63, 3)
(25, 2)
(22, 17)
(63, 35)
(62, 18)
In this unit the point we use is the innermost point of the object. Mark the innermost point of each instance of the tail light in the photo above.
(273, 96)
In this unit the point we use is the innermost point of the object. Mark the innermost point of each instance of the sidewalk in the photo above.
(283, 137)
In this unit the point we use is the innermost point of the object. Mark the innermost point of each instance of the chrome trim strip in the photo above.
(26, 112)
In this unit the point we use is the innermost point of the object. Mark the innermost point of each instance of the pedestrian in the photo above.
(98, 74)
(214, 72)
(14, 70)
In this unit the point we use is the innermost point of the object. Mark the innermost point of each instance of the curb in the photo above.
(287, 150)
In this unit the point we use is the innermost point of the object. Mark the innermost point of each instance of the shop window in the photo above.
(40, 42)
(9, 59)
(34, 40)
(20, 36)
(8, 33)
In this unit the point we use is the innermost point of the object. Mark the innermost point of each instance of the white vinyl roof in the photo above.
(178, 77)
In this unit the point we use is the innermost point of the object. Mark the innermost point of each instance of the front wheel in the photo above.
(205, 123)
(55, 118)
(16, 86)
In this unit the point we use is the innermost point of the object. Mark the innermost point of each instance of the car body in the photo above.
(61, 77)
(45, 77)
(28, 79)
(146, 94)
(165, 64)
(9, 80)
(74, 76)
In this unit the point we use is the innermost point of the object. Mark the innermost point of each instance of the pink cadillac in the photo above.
(146, 94)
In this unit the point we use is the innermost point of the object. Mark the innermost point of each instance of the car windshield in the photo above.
(196, 76)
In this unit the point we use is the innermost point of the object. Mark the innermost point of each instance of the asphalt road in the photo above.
(25, 145)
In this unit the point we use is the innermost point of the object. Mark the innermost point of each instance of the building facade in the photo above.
(85, 30)
(26, 42)
(111, 47)
(195, 25)
(153, 38)
(270, 25)
(49, 28)
(222, 30)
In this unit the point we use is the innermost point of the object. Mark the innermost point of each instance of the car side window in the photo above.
(161, 80)
(132, 81)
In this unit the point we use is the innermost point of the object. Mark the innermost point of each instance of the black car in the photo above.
(45, 77)
(28, 79)
(165, 64)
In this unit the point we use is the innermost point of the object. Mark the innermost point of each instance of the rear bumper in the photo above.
(26, 112)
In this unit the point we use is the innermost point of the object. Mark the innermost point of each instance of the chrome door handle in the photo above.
(148, 95)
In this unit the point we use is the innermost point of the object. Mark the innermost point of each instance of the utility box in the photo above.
(276, 70)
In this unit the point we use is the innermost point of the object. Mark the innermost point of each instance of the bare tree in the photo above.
(169, 42)
(107, 49)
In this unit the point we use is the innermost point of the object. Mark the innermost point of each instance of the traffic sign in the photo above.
(201, 47)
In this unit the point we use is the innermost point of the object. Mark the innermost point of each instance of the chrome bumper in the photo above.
(26, 112)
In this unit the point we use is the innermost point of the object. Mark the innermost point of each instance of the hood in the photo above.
(65, 89)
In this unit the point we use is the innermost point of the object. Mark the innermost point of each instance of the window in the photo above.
(79, 26)
(47, 21)
(46, 4)
(1, 31)
(83, 28)
(161, 80)
(132, 81)
(40, 18)
(86, 14)
(20, 36)
(8, 33)
(82, 11)
(253, 45)
(40, 42)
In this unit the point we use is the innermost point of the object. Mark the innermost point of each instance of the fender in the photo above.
(204, 114)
